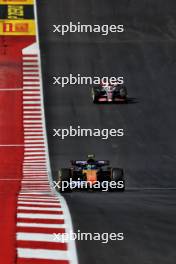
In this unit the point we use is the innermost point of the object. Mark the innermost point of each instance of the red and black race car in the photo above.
(109, 93)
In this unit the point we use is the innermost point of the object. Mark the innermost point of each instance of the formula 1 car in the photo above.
(91, 174)
(109, 93)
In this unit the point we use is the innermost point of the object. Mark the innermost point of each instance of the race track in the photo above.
(145, 55)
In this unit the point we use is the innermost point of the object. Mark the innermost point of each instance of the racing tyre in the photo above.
(118, 177)
(95, 95)
(123, 92)
(64, 179)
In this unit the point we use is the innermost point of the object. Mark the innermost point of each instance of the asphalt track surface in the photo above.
(145, 55)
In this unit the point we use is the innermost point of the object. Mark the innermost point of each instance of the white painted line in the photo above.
(32, 121)
(34, 192)
(30, 78)
(33, 178)
(34, 115)
(39, 196)
(33, 130)
(40, 216)
(32, 189)
(33, 137)
(42, 254)
(31, 97)
(31, 107)
(35, 103)
(28, 73)
(33, 170)
(36, 237)
(28, 208)
(36, 183)
(38, 199)
(11, 145)
(30, 58)
(34, 164)
(36, 173)
(30, 63)
(31, 92)
(41, 225)
(34, 167)
(38, 203)
(43, 173)
(29, 147)
(35, 158)
(43, 167)
(10, 89)
(34, 186)
(36, 189)
(32, 112)
(31, 83)
(26, 134)
(39, 193)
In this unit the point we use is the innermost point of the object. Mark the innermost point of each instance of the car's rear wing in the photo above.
(84, 162)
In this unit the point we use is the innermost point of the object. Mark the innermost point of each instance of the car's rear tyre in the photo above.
(64, 180)
(95, 95)
(118, 177)
(123, 92)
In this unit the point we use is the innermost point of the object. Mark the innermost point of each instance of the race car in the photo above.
(91, 174)
(109, 93)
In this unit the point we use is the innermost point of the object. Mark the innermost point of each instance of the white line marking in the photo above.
(38, 199)
(42, 254)
(30, 63)
(32, 121)
(40, 216)
(33, 153)
(36, 237)
(26, 93)
(41, 225)
(31, 107)
(33, 137)
(32, 118)
(10, 89)
(11, 145)
(31, 83)
(28, 73)
(30, 97)
(30, 58)
(32, 102)
(54, 209)
(34, 158)
(38, 203)
(30, 78)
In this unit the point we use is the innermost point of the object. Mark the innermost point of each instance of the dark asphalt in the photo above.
(146, 56)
